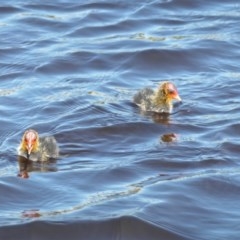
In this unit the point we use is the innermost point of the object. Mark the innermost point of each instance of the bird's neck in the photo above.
(160, 98)
(34, 149)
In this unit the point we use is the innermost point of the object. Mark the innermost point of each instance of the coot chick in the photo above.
(35, 148)
(160, 101)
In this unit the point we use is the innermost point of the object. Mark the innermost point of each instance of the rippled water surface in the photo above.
(71, 69)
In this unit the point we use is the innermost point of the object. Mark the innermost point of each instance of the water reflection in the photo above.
(162, 118)
(25, 166)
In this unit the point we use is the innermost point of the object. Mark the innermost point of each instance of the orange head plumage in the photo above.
(168, 92)
(30, 142)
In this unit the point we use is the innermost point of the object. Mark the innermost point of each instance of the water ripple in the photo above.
(71, 70)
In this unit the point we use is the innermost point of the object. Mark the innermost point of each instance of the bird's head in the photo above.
(169, 92)
(30, 142)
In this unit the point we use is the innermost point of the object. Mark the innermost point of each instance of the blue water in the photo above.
(71, 70)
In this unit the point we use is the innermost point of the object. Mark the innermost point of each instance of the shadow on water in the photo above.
(125, 228)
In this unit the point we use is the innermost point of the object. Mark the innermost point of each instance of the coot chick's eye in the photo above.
(171, 91)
